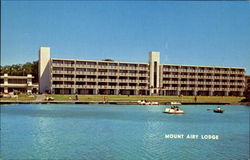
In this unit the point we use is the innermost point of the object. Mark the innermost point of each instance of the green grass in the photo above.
(201, 99)
(21, 97)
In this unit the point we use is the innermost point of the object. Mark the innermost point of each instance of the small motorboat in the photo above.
(218, 111)
(173, 110)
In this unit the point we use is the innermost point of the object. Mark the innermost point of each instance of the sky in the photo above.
(186, 33)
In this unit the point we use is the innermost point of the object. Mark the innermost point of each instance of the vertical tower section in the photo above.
(154, 72)
(44, 70)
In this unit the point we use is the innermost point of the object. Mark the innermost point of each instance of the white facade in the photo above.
(73, 76)
(44, 69)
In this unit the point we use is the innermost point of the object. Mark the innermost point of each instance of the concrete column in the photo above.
(5, 79)
(151, 92)
(136, 92)
(29, 79)
(211, 93)
(154, 71)
(195, 93)
(226, 93)
(116, 91)
(95, 91)
(5, 89)
(29, 91)
(241, 93)
(178, 92)
(73, 91)
(44, 69)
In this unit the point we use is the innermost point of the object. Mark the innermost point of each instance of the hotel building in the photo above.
(73, 76)
(19, 83)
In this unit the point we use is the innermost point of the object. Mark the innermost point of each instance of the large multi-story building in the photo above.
(72, 76)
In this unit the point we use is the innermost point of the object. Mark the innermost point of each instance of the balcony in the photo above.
(63, 72)
(57, 78)
(170, 82)
(80, 79)
(69, 72)
(57, 65)
(187, 88)
(62, 79)
(102, 80)
(142, 68)
(13, 85)
(142, 81)
(90, 79)
(123, 74)
(107, 87)
(80, 73)
(62, 86)
(128, 87)
(143, 75)
(170, 88)
(90, 66)
(107, 67)
(57, 72)
(58, 86)
(68, 65)
(90, 73)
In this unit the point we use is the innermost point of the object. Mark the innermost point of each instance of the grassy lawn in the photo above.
(148, 98)
(21, 97)
(201, 99)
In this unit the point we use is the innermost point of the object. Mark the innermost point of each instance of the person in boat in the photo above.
(218, 108)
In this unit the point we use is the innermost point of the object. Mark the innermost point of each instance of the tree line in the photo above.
(21, 70)
(247, 93)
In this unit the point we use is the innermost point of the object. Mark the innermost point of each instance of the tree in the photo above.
(21, 70)
(108, 60)
(247, 93)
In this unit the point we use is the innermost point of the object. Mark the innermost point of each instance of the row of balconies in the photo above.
(207, 77)
(98, 86)
(100, 73)
(202, 89)
(97, 66)
(202, 71)
(99, 80)
(213, 70)
(196, 76)
(199, 82)
(121, 80)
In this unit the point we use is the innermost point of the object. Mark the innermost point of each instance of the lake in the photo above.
(123, 132)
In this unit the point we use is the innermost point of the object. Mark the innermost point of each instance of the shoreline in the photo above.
(112, 102)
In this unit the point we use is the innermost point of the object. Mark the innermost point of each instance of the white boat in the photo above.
(143, 102)
(175, 103)
(173, 110)
(154, 103)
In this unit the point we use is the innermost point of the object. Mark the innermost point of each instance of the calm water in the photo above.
(107, 132)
